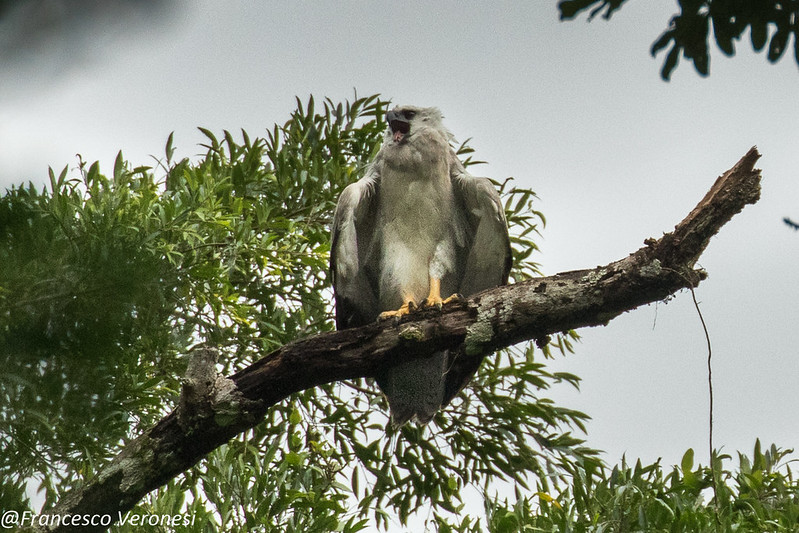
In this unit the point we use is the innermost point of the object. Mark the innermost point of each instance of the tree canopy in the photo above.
(109, 282)
(769, 22)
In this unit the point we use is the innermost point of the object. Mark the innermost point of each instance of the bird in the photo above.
(416, 230)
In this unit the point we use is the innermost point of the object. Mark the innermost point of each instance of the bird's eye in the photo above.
(409, 114)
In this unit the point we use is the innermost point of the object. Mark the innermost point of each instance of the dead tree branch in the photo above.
(214, 409)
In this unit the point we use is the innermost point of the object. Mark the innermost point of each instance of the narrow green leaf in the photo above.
(759, 34)
(119, 166)
(169, 150)
(687, 462)
(779, 42)
(670, 63)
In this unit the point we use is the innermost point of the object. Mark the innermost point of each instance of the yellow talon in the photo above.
(408, 307)
(434, 298)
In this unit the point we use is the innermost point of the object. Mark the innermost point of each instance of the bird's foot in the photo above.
(437, 301)
(405, 309)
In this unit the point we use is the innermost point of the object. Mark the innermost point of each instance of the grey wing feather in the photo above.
(487, 255)
(352, 268)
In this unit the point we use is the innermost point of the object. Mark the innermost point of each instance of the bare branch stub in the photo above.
(730, 193)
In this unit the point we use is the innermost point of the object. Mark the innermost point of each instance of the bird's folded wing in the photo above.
(488, 253)
(352, 241)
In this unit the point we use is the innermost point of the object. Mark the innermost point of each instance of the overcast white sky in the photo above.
(576, 111)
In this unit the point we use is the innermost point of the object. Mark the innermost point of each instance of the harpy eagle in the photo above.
(417, 227)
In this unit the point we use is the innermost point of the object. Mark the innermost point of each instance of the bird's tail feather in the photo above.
(415, 388)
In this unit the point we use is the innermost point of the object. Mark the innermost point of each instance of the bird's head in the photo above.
(403, 121)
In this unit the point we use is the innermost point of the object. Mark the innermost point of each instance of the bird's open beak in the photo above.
(400, 126)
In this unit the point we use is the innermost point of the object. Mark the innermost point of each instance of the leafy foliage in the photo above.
(760, 495)
(688, 31)
(106, 282)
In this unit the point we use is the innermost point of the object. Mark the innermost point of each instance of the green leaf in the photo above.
(169, 150)
(779, 42)
(724, 34)
(687, 462)
(295, 417)
(571, 8)
(670, 63)
(662, 42)
(702, 63)
(759, 34)
(293, 459)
